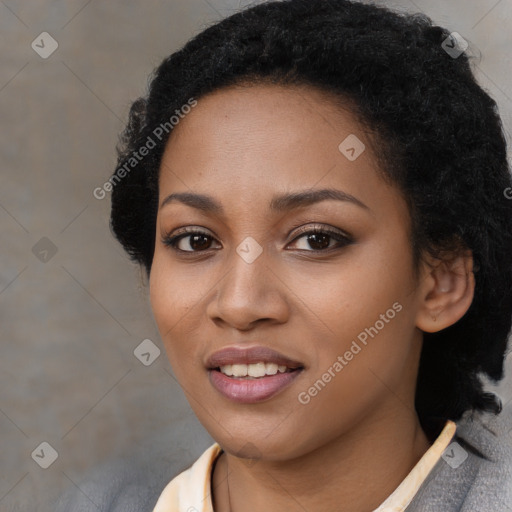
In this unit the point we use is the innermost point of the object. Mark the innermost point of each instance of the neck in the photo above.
(355, 472)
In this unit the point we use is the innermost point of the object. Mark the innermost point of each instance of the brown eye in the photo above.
(319, 239)
(197, 240)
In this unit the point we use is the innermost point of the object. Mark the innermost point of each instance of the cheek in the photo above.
(351, 293)
(364, 313)
(353, 369)
(173, 302)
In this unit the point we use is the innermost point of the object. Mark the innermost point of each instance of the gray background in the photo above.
(69, 326)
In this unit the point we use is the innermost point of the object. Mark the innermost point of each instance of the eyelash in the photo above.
(342, 239)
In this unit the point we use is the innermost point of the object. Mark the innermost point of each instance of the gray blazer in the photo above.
(481, 483)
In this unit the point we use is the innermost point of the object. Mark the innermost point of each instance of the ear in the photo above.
(446, 291)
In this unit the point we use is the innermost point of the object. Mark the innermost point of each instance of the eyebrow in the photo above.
(279, 203)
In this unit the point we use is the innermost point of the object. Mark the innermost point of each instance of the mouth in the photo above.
(251, 374)
(252, 383)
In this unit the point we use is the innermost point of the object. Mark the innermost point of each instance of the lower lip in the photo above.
(249, 391)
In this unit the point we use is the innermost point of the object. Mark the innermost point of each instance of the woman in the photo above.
(316, 190)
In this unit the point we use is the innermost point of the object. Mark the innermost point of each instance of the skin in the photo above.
(357, 439)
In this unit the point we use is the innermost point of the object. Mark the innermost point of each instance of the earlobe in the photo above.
(446, 293)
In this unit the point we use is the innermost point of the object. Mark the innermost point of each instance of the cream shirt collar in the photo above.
(190, 491)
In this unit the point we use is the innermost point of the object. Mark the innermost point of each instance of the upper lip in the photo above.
(247, 355)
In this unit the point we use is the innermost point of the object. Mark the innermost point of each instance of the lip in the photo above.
(244, 390)
(249, 391)
(247, 355)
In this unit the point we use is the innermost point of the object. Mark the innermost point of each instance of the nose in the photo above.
(249, 293)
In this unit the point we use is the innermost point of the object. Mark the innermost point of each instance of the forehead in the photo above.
(256, 113)
(245, 143)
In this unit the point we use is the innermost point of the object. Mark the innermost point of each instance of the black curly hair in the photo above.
(440, 141)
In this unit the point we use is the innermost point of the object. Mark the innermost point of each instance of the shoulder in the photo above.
(120, 486)
(492, 485)
(134, 483)
(475, 472)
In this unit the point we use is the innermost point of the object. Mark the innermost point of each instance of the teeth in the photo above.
(239, 370)
(254, 370)
(272, 368)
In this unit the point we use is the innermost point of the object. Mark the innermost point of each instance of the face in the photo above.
(339, 302)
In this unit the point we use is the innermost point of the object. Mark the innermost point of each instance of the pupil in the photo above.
(313, 239)
(195, 238)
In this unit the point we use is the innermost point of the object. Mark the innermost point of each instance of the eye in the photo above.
(195, 238)
(318, 237)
